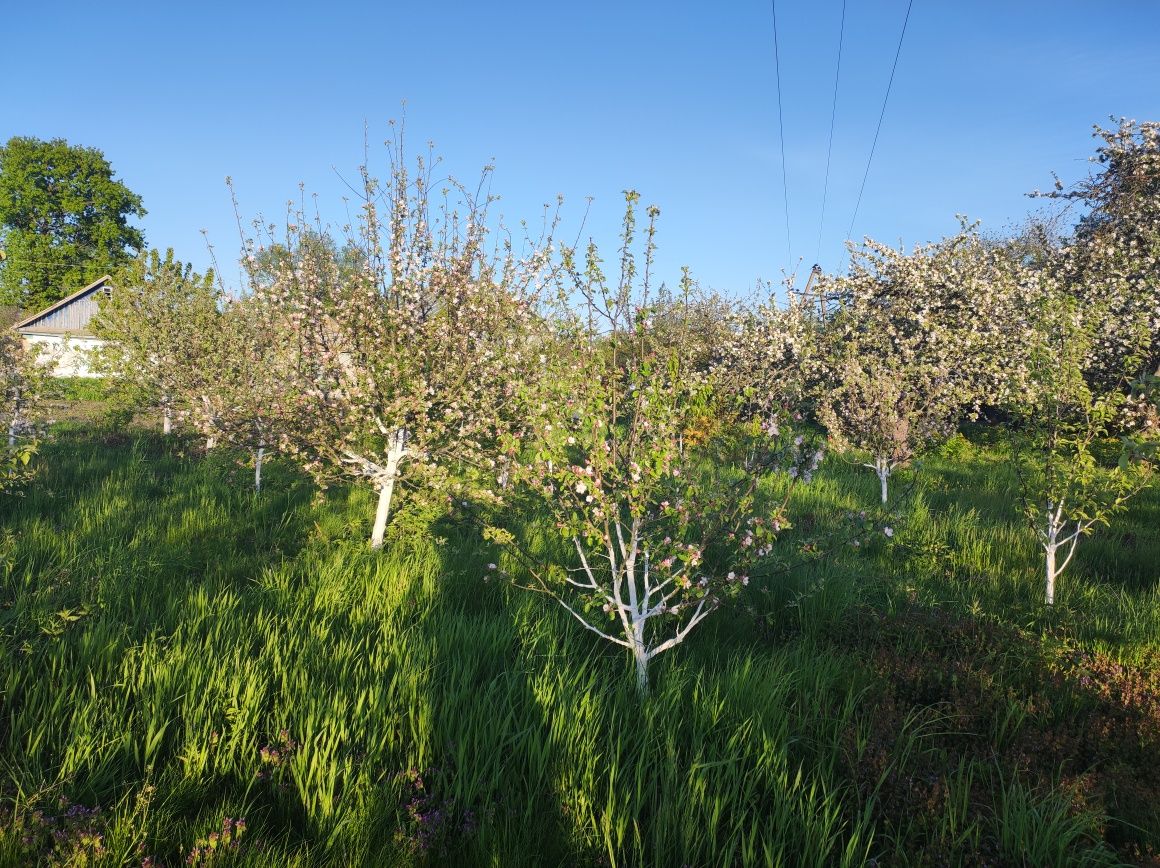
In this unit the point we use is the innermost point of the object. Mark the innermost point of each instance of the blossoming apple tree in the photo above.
(1111, 264)
(406, 365)
(236, 391)
(920, 341)
(770, 358)
(659, 537)
(158, 318)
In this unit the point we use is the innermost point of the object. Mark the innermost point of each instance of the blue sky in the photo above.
(675, 99)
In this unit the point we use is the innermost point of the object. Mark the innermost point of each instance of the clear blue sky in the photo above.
(675, 99)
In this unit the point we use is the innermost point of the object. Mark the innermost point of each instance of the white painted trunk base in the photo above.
(381, 513)
(386, 481)
(1050, 574)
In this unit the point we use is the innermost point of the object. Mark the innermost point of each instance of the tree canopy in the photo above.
(64, 220)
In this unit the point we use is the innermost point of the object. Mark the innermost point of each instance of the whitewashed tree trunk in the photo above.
(395, 453)
(641, 655)
(1049, 536)
(261, 450)
(14, 425)
(1051, 573)
(1054, 538)
(646, 598)
(882, 469)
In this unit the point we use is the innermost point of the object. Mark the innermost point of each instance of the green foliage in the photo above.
(907, 356)
(64, 220)
(22, 386)
(1065, 414)
(160, 315)
(79, 388)
(16, 467)
(192, 673)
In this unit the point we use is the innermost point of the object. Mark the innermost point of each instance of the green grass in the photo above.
(178, 651)
(78, 388)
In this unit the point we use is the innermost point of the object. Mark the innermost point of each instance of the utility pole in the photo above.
(816, 272)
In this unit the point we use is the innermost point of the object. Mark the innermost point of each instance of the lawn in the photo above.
(193, 673)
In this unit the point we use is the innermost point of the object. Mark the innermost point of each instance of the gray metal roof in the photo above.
(69, 316)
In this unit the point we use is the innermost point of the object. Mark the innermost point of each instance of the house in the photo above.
(62, 331)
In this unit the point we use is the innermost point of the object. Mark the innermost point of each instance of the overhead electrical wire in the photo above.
(830, 146)
(881, 115)
(781, 134)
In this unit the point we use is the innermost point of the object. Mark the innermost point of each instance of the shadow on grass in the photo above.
(106, 526)
(964, 709)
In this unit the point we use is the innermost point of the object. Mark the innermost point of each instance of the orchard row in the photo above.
(429, 349)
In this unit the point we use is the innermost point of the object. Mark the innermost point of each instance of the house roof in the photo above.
(27, 323)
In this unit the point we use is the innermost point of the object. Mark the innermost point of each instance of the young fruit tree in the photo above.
(237, 394)
(158, 318)
(1095, 352)
(891, 412)
(908, 356)
(1068, 485)
(655, 536)
(406, 364)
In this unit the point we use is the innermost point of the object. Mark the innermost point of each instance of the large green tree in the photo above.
(64, 220)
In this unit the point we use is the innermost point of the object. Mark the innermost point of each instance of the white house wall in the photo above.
(72, 353)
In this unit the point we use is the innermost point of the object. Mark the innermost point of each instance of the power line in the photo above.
(781, 133)
(881, 115)
(830, 146)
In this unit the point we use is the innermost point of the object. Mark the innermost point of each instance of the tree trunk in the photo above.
(883, 471)
(258, 468)
(381, 513)
(640, 654)
(14, 425)
(1050, 575)
(387, 486)
(1050, 546)
(641, 657)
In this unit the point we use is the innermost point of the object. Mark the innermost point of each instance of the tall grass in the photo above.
(179, 651)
